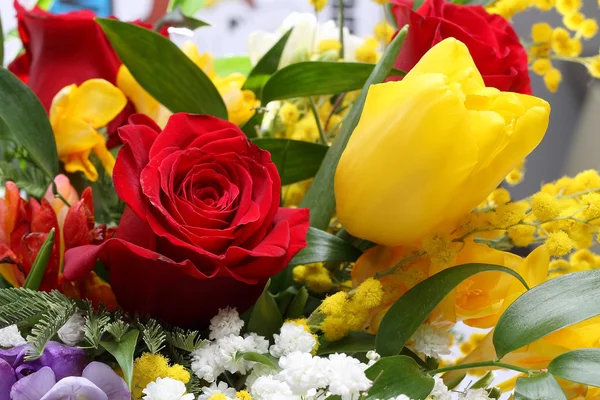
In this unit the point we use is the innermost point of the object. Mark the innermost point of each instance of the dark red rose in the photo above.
(492, 41)
(203, 228)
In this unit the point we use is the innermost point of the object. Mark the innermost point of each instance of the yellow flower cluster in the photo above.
(148, 367)
(318, 4)
(580, 260)
(344, 312)
(315, 276)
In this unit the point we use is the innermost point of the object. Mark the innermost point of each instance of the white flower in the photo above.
(258, 370)
(166, 389)
(346, 376)
(432, 341)
(269, 387)
(71, 332)
(440, 391)
(228, 352)
(226, 322)
(474, 394)
(292, 337)
(373, 357)
(11, 337)
(205, 362)
(256, 343)
(220, 388)
(303, 373)
(304, 39)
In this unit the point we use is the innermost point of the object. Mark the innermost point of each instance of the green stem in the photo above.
(315, 112)
(393, 270)
(341, 3)
(58, 195)
(489, 363)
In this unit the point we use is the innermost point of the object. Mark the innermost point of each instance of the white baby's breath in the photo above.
(346, 376)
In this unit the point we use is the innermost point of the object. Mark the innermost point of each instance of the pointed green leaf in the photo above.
(315, 78)
(1, 42)
(581, 366)
(539, 387)
(296, 308)
(546, 308)
(36, 274)
(177, 18)
(123, 352)
(27, 122)
(295, 160)
(319, 198)
(355, 342)
(265, 359)
(252, 126)
(266, 66)
(163, 70)
(265, 319)
(322, 247)
(393, 376)
(412, 309)
(229, 65)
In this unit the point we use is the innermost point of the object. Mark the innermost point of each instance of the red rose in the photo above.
(492, 41)
(203, 228)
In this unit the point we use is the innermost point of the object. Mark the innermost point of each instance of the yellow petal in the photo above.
(144, 103)
(203, 61)
(408, 158)
(74, 136)
(97, 102)
(105, 156)
(60, 103)
(79, 162)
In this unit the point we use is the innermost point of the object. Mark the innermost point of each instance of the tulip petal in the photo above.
(34, 386)
(97, 102)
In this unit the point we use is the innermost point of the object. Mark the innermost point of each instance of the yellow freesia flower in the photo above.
(75, 115)
(430, 148)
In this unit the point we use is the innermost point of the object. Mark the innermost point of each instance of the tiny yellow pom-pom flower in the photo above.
(544, 5)
(573, 21)
(593, 67)
(552, 79)
(510, 214)
(318, 4)
(541, 32)
(583, 259)
(588, 28)
(560, 35)
(243, 395)
(367, 52)
(148, 367)
(514, 177)
(289, 114)
(334, 304)
(441, 249)
(368, 294)
(545, 206)
(559, 244)
(329, 44)
(541, 66)
(500, 196)
(521, 235)
(384, 32)
(334, 328)
(592, 200)
(566, 7)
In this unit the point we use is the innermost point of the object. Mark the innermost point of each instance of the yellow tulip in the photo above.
(75, 115)
(430, 148)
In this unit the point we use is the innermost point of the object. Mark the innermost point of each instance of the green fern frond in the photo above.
(30, 179)
(47, 327)
(24, 306)
(185, 340)
(95, 324)
(117, 328)
(195, 385)
(154, 336)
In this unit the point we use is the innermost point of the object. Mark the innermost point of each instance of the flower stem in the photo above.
(58, 195)
(341, 28)
(315, 112)
(490, 363)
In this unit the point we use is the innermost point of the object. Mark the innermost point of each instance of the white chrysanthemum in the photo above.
(226, 322)
(440, 391)
(205, 362)
(258, 370)
(166, 389)
(432, 341)
(71, 332)
(269, 386)
(292, 337)
(11, 337)
(303, 373)
(231, 346)
(220, 388)
(346, 376)
(474, 394)
(256, 343)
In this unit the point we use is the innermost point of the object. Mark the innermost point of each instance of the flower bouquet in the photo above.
(326, 218)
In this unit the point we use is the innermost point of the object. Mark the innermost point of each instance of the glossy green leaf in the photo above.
(296, 308)
(1, 42)
(178, 19)
(546, 308)
(123, 352)
(266, 66)
(36, 274)
(319, 198)
(265, 359)
(322, 247)
(393, 376)
(538, 387)
(163, 70)
(484, 381)
(265, 318)
(296, 160)
(355, 342)
(252, 126)
(315, 78)
(581, 366)
(412, 309)
(27, 122)
(229, 65)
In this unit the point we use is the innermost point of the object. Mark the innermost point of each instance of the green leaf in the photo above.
(296, 160)
(323, 246)
(189, 7)
(393, 376)
(265, 319)
(581, 366)
(412, 309)
(315, 78)
(177, 18)
(252, 126)
(123, 352)
(1, 42)
(546, 308)
(355, 342)
(539, 387)
(45, 4)
(265, 359)
(27, 122)
(163, 70)
(484, 381)
(266, 66)
(229, 65)
(319, 198)
(35, 276)
(296, 308)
